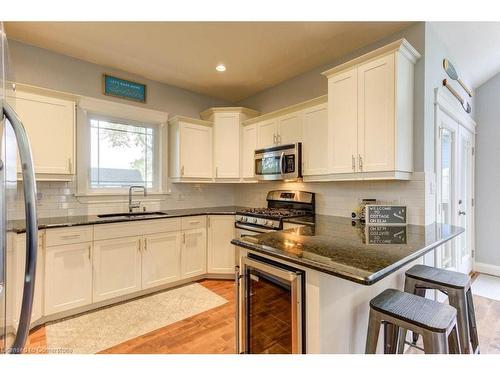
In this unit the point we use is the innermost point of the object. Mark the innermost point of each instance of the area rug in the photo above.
(107, 327)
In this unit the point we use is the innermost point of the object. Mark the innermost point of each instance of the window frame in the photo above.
(89, 109)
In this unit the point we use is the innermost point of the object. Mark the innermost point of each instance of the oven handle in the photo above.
(253, 229)
(282, 156)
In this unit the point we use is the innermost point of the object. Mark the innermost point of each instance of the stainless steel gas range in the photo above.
(270, 316)
(281, 205)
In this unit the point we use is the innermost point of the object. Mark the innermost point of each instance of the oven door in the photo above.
(270, 307)
(278, 163)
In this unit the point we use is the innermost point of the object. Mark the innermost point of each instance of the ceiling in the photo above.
(258, 55)
(475, 46)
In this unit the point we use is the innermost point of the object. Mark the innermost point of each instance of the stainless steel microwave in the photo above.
(282, 162)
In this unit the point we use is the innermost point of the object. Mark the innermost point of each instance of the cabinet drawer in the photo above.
(63, 236)
(136, 228)
(194, 222)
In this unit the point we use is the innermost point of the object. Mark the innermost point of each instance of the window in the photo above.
(122, 154)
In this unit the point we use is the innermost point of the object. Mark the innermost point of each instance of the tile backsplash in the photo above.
(332, 198)
(58, 199)
(339, 198)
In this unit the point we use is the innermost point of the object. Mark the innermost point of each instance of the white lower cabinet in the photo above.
(68, 277)
(161, 259)
(117, 267)
(220, 251)
(194, 252)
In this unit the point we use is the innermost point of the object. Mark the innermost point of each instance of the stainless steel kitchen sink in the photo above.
(133, 214)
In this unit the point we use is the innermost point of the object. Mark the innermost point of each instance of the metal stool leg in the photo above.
(391, 334)
(373, 332)
(401, 341)
(453, 343)
(435, 343)
(458, 300)
(472, 321)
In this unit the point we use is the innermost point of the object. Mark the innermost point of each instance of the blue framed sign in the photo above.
(122, 88)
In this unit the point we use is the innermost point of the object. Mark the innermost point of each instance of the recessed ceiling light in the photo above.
(220, 68)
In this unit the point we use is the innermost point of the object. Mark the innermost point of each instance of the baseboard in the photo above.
(489, 269)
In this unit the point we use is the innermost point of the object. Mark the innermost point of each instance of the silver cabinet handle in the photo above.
(216, 172)
(145, 244)
(461, 213)
(184, 238)
(70, 236)
(89, 250)
(360, 162)
(182, 171)
(353, 163)
(279, 139)
(274, 139)
(29, 189)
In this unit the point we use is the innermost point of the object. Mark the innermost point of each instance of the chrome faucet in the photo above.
(132, 205)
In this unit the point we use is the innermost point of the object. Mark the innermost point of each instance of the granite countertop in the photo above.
(350, 250)
(19, 226)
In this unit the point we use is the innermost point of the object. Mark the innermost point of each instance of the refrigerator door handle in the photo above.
(29, 188)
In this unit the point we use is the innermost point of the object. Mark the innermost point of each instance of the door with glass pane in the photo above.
(465, 193)
(455, 189)
(446, 157)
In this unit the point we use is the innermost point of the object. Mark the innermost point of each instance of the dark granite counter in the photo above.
(352, 251)
(19, 226)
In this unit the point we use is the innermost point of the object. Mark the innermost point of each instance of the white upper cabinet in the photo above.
(249, 145)
(50, 124)
(290, 128)
(220, 252)
(376, 90)
(370, 114)
(191, 153)
(227, 141)
(342, 134)
(314, 140)
(267, 133)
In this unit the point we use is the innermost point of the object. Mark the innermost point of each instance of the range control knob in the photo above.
(243, 219)
(254, 220)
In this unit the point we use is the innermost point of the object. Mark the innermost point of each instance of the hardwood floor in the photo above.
(212, 332)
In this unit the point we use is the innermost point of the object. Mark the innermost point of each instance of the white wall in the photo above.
(488, 172)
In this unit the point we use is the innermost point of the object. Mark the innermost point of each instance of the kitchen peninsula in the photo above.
(344, 264)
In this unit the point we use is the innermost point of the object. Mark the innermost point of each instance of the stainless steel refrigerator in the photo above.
(15, 323)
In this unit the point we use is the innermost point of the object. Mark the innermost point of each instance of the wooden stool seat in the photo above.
(400, 311)
(449, 279)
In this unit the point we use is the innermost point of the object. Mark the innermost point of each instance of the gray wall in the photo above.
(488, 172)
(312, 84)
(39, 67)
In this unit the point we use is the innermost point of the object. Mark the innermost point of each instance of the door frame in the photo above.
(443, 103)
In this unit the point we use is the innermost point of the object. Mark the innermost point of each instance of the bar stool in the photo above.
(457, 286)
(436, 322)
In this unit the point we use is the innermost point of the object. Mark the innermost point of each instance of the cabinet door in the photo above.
(18, 270)
(48, 122)
(196, 150)
(68, 277)
(290, 128)
(376, 92)
(266, 133)
(248, 150)
(161, 259)
(221, 253)
(227, 145)
(117, 267)
(315, 140)
(343, 121)
(194, 252)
